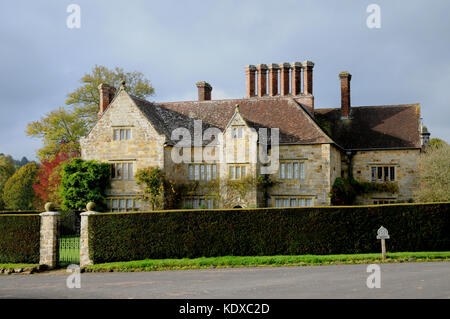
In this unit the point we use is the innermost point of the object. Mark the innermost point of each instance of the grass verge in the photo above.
(264, 261)
(3, 266)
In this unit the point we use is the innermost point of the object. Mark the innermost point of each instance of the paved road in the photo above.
(406, 280)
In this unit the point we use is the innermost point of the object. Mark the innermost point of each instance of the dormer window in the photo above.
(237, 132)
(121, 134)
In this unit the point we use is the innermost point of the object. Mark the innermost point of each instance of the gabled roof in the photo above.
(295, 124)
(373, 127)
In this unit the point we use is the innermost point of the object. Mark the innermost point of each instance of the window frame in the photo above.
(122, 133)
(383, 173)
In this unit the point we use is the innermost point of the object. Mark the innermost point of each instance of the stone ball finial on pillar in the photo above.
(90, 206)
(49, 207)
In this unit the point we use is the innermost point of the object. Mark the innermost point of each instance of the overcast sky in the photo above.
(177, 43)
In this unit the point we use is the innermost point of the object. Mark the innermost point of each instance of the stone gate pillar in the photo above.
(49, 248)
(84, 235)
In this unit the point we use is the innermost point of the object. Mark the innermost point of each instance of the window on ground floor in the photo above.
(293, 201)
(384, 201)
(122, 204)
(200, 202)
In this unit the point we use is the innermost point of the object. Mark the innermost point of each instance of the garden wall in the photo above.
(267, 231)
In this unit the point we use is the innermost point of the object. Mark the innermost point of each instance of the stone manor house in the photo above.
(315, 145)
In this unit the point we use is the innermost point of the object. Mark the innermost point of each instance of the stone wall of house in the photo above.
(405, 162)
(145, 148)
(230, 151)
(322, 166)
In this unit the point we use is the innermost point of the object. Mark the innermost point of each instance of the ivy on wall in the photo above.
(345, 190)
(163, 193)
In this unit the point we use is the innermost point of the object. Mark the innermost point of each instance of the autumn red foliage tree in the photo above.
(48, 181)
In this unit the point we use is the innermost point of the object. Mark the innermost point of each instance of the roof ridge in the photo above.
(371, 106)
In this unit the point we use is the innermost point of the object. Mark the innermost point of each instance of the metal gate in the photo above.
(69, 238)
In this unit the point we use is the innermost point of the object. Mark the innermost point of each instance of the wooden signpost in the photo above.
(383, 234)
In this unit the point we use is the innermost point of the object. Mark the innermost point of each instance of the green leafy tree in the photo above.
(434, 175)
(152, 181)
(85, 100)
(83, 182)
(7, 170)
(61, 129)
(18, 191)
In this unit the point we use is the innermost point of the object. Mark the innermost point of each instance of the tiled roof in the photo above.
(368, 127)
(295, 125)
(373, 127)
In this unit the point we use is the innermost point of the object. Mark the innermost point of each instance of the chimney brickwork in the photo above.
(204, 91)
(106, 93)
(273, 79)
(345, 78)
(308, 77)
(250, 71)
(262, 79)
(281, 80)
(295, 77)
(284, 78)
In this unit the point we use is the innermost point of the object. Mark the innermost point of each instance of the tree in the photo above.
(434, 175)
(85, 100)
(64, 127)
(437, 142)
(60, 131)
(7, 170)
(18, 192)
(151, 180)
(47, 185)
(83, 182)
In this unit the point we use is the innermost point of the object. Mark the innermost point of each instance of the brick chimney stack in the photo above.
(284, 78)
(107, 93)
(204, 91)
(250, 74)
(345, 93)
(262, 79)
(308, 77)
(295, 77)
(273, 79)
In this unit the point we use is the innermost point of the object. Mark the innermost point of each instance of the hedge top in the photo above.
(269, 208)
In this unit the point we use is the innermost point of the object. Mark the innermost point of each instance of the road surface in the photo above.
(403, 280)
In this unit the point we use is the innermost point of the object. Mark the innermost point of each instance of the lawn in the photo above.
(265, 261)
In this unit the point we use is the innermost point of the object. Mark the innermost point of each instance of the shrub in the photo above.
(267, 231)
(83, 182)
(345, 190)
(19, 238)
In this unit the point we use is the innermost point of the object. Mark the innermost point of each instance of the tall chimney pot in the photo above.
(250, 71)
(308, 77)
(273, 79)
(204, 91)
(295, 77)
(262, 79)
(106, 93)
(284, 78)
(345, 78)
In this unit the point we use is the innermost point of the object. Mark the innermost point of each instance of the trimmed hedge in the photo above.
(267, 231)
(19, 238)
